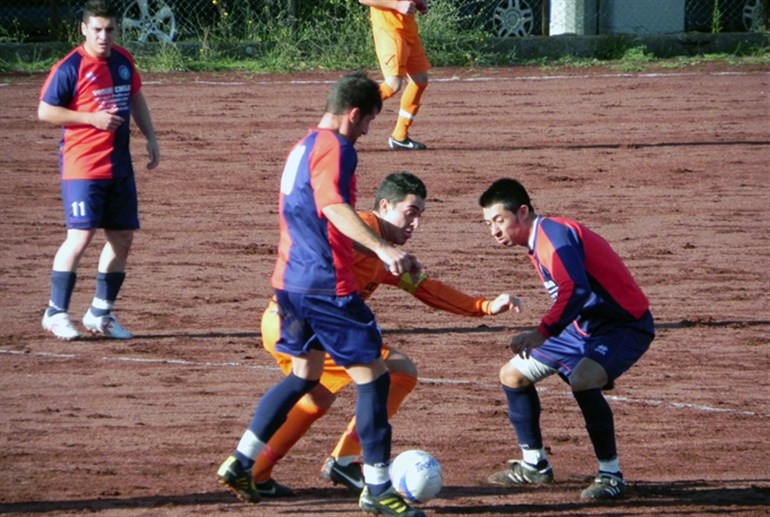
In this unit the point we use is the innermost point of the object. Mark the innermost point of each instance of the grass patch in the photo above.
(336, 35)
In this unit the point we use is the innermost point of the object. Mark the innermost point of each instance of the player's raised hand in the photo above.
(107, 120)
(504, 303)
(523, 344)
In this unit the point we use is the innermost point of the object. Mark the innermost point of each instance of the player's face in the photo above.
(404, 217)
(507, 228)
(359, 125)
(100, 35)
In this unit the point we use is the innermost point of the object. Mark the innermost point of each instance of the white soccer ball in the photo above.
(416, 475)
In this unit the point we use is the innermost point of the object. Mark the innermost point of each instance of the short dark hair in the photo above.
(396, 186)
(99, 9)
(507, 191)
(354, 90)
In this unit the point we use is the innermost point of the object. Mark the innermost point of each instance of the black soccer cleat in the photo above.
(407, 144)
(520, 473)
(350, 475)
(238, 480)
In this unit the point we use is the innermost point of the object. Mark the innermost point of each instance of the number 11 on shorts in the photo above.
(78, 209)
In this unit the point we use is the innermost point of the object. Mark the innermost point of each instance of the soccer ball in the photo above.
(416, 475)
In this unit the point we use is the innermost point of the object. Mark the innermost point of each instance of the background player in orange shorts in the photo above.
(398, 207)
(401, 55)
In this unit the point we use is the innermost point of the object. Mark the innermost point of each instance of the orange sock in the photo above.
(401, 385)
(410, 105)
(299, 420)
(386, 92)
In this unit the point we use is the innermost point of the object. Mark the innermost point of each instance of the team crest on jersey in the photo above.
(124, 72)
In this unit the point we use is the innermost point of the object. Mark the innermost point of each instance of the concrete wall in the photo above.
(670, 45)
(641, 16)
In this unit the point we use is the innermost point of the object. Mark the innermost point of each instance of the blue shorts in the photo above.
(343, 326)
(614, 346)
(110, 204)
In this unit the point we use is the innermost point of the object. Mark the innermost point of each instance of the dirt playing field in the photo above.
(671, 166)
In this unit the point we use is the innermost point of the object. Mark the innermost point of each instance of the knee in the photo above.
(394, 82)
(583, 379)
(120, 242)
(512, 378)
(420, 80)
(399, 363)
(77, 241)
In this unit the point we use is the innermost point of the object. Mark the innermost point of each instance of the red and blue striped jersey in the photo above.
(313, 255)
(585, 277)
(81, 82)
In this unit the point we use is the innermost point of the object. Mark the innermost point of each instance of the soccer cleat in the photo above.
(272, 488)
(389, 503)
(106, 325)
(522, 473)
(350, 475)
(60, 325)
(605, 486)
(238, 480)
(407, 144)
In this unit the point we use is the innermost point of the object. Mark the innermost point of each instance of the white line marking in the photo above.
(220, 83)
(424, 380)
(455, 78)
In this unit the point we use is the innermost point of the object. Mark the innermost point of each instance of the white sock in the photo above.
(533, 456)
(611, 466)
(375, 475)
(250, 446)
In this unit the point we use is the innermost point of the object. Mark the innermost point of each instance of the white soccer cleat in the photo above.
(60, 325)
(106, 325)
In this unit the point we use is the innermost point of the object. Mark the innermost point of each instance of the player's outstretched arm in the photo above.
(441, 296)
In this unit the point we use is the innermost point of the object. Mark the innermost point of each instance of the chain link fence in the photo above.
(179, 20)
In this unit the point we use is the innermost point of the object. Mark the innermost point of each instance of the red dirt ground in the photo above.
(673, 167)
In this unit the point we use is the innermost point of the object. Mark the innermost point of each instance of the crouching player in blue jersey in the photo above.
(598, 327)
(317, 296)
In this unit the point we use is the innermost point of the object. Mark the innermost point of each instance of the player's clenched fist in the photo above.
(523, 344)
(399, 262)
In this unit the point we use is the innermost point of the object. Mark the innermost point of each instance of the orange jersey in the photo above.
(370, 272)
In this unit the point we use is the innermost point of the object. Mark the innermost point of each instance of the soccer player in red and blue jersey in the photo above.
(597, 328)
(92, 93)
(319, 305)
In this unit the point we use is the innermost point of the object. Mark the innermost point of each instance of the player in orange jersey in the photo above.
(398, 207)
(401, 56)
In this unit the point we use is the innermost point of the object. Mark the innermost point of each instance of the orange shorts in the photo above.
(399, 53)
(333, 378)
